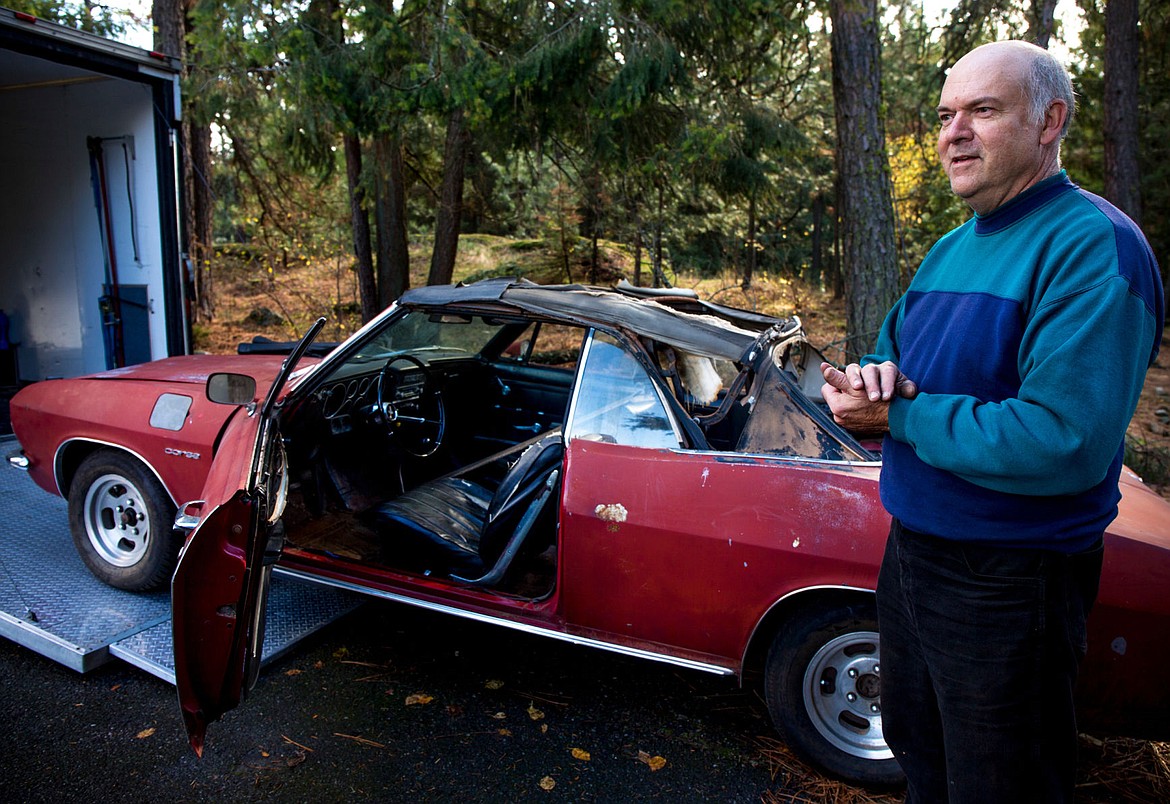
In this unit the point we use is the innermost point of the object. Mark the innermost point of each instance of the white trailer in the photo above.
(91, 270)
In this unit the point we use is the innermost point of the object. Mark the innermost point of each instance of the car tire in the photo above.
(823, 692)
(120, 518)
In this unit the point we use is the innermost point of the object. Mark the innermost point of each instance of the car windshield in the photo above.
(433, 332)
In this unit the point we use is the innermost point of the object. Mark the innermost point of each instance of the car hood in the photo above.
(195, 369)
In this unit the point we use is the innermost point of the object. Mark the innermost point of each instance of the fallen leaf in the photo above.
(318, 664)
(544, 728)
(293, 672)
(504, 732)
(500, 715)
(115, 688)
(581, 754)
(264, 754)
(654, 762)
(145, 733)
(535, 713)
(341, 653)
(494, 684)
(418, 699)
(547, 783)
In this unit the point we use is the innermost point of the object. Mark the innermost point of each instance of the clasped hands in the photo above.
(860, 396)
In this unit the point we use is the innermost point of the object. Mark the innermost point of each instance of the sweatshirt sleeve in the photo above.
(1082, 365)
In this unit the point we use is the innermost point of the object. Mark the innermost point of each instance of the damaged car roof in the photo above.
(710, 333)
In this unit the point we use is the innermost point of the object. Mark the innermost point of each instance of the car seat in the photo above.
(457, 526)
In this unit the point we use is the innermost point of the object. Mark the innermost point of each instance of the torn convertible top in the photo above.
(710, 333)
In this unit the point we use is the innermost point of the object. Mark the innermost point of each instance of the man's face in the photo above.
(990, 145)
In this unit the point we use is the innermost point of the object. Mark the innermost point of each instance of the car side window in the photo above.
(545, 344)
(616, 401)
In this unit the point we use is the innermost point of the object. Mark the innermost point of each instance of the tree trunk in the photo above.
(637, 220)
(1122, 174)
(450, 201)
(749, 268)
(869, 263)
(592, 222)
(171, 25)
(815, 270)
(1042, 22)
(393, 244)
(202, 241)
(360, 219)
(656, 254)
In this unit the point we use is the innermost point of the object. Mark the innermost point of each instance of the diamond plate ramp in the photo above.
(296, 609)
(50, 603)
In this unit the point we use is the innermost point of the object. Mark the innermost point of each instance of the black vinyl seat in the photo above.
(456, 526)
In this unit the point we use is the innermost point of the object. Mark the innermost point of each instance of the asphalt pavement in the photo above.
(393, 703)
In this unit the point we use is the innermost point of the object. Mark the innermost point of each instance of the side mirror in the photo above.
(231, 389)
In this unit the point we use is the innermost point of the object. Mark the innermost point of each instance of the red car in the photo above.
(653, 476)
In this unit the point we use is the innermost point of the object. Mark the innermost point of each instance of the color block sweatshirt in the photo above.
(1028, 331)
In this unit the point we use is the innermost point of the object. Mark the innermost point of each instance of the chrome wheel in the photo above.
(120, 518)
(842, 695)
(117, 521)
(822, 682)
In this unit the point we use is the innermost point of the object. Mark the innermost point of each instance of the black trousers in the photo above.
(979, 654)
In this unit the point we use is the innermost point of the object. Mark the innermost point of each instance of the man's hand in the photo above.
(860, 396)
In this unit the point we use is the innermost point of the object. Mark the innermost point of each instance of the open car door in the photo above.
(220, 586)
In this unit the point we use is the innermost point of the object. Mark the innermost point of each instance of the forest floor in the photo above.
(257, 294)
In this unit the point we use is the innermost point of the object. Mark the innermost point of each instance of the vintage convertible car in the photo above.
(653, 476)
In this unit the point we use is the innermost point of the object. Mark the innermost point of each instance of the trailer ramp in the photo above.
(50, 603)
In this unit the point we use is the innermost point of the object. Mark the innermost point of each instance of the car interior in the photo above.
(436, 448)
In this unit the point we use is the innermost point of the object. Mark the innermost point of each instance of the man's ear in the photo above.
(1054, 119)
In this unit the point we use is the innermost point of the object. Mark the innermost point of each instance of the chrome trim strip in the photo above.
(567, 427)
(492, 620)
(123, 447)
(732, 456)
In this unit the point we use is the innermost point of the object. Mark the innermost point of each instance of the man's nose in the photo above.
(959, 127)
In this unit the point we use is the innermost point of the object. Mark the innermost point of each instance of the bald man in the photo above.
(1003, 381)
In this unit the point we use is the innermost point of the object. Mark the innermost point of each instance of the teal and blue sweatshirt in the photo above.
(1028, 331)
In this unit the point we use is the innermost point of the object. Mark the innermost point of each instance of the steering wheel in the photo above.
(419, 420)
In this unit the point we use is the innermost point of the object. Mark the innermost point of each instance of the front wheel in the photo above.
(823, 689)
(120, 518)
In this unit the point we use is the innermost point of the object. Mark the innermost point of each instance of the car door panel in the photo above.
(691, 549)
(525, 400)
(209, 589)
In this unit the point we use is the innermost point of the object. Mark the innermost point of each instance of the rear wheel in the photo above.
(823, 688)
(120, 518)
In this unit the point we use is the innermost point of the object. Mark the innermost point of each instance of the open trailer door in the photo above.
(220, 587)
